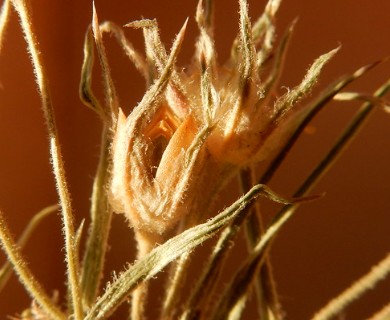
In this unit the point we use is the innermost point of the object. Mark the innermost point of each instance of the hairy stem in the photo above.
(6, 270)
(162, 255)
(265, 285)
(232, 300)
(56, 156)
(101, 214)
(355, 291)
(20, 267)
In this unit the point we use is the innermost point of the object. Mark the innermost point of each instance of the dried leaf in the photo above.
(162, 255)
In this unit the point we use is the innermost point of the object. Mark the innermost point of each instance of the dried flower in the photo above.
(200, 126)
(164, 164)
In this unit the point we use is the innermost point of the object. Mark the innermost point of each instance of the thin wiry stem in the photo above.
(156, 55)
(312, 110)
(6, 270)
(55, 151)
(162, 255)
(25, 275)
(232, 300)
(177, 278)
(348, 96)
(278, 65)
(136, 58)
(378, 273)
(254, 227)
(342, 143)
(383, 314)
(203, 292)
(267, 297)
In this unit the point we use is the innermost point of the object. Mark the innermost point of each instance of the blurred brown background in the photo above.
(327, 244)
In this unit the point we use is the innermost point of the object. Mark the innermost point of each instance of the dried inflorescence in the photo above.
(176, 149)
(164, 164)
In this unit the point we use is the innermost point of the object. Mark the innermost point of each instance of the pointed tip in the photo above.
(185, 23)
(199, 12)
(243, 8)
(272, 7)
(179, 39)
(358, 73)
(94, 15)
(204, 13)
(180, 35)
(293, 24)
(327, 56)
(95, 20)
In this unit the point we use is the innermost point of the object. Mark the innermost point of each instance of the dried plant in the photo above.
(164, 164)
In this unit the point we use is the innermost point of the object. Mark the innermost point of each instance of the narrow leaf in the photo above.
(162, 255)
(247, 48)
(136, 58)
(309, 112)
(349, 96)
(156, 54)
(85, 88)
(111, 109)
(292, 97)
(263, 27)
(278, 64)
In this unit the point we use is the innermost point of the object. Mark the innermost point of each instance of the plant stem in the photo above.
(101, 215)
(268, 301)
(232, 298)
(20, 267)
(6, 270)
(355, 291)
(382, 314)
(58, 166)
(162, 255)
